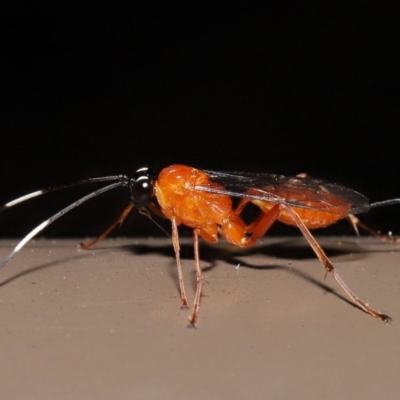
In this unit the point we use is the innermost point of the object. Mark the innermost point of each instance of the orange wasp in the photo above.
(202, 200)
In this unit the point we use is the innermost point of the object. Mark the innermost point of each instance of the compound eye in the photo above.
(142, 191)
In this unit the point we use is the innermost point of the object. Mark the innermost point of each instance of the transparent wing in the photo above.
(302, 192)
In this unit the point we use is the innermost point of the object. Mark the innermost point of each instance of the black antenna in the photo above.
(59, 214)
(121, 178)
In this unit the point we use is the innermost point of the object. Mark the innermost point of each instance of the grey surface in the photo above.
(107, 323)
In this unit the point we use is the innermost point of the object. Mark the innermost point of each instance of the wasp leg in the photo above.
(355, 223)
(199, 278)
(175, 243)
(236, 231)
(329, 267)
(119, 221)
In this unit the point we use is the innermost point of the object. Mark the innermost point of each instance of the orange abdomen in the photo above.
(313, 217)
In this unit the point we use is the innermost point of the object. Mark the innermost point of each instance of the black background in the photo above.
(93, 89)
